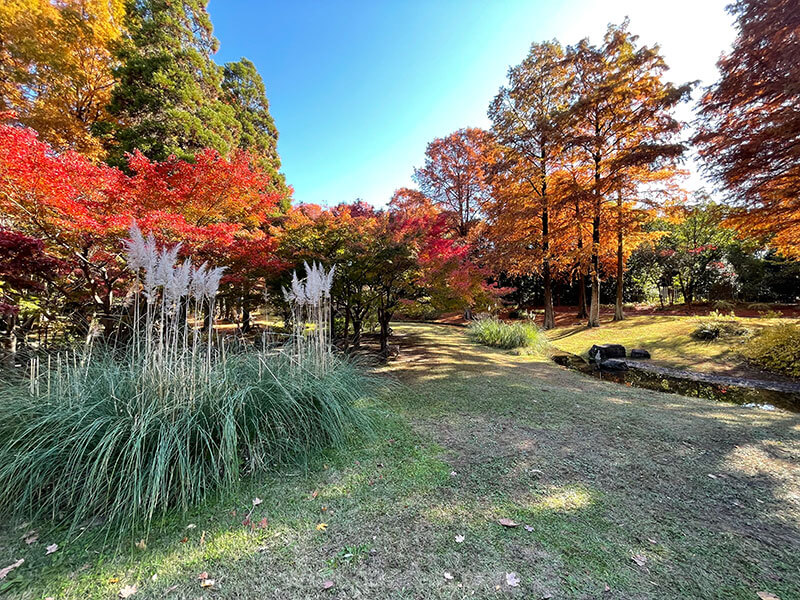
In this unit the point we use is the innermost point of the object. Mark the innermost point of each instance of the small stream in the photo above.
(695, 385)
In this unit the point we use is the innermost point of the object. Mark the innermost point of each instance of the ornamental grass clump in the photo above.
(493, 332)
(170, 420)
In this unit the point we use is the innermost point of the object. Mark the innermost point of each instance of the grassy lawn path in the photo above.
(619, 493)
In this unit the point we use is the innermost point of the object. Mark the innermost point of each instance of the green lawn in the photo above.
(706, 496)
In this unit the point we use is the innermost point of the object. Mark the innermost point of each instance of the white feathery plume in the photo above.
(136, 248)
(197, 286)
(328, 279)
(314, 283)
(178, 285)
(212, 281)
(298, 290)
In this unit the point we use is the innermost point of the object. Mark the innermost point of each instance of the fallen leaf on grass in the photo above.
(652, 541)
(203, 537)
(528, 528)
(322, 526)
(507, 522)
(512, 580)
(448, 576)
(127, 591)
(257, 501)
(712, 476)
(639, 559)
(326, 585)
(262, 524)
(184, 540)
(459, 539)
(51, 548)
(767, 596)
(113, 580)
(191, 526)
(453, 473)
(207, 583)
(141, 545)
(314, 494)
(31, 538)
(203, 575)
(9, 568)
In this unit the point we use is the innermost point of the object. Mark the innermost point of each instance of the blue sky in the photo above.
(358, 89)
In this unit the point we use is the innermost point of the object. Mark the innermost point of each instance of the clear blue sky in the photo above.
(357, 89)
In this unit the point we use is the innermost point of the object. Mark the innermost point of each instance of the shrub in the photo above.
(718, 325)
(723, 305)
(776, 349)
(491, 331)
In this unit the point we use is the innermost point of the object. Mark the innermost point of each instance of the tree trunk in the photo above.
(594, 307)
(383, 318)
(357, 322)
(246, 321)
(582, 312)
(549, 318)
(619, 315)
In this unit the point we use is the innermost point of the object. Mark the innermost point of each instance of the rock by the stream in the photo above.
(603, 351)
(613, 364)
(639, 353)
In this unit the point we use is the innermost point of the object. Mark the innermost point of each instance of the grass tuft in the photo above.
(104, 440)
(493, 332)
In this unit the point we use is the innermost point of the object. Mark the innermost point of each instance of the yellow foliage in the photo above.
(56, 67)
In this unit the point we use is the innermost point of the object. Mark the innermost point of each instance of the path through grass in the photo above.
(705, 495)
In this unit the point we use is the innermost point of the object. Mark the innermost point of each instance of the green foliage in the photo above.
(168, 95)
(776, 349)
(107, 440)
(718, 325)
(491, 331)
(720, 305)
(244, 90)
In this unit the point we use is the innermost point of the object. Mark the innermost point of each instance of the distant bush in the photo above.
(493, 332)
(718, 325)
(776, 349)
(724, 305)
(758, 306)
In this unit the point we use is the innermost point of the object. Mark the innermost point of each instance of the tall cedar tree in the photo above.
(244, 90)
(622, 123)
(56, 64)
(749, 129)
(168, 99)
(526, 119)
(453, 177)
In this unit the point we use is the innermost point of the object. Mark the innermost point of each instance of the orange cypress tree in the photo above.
(621, 124)
(526, 119)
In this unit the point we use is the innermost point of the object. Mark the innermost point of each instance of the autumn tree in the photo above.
(749, 123)
(527, 119)
(621, 122)
(25, 270)
(56, 61)
(454, 176)
(168, 100)
(82, 210)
